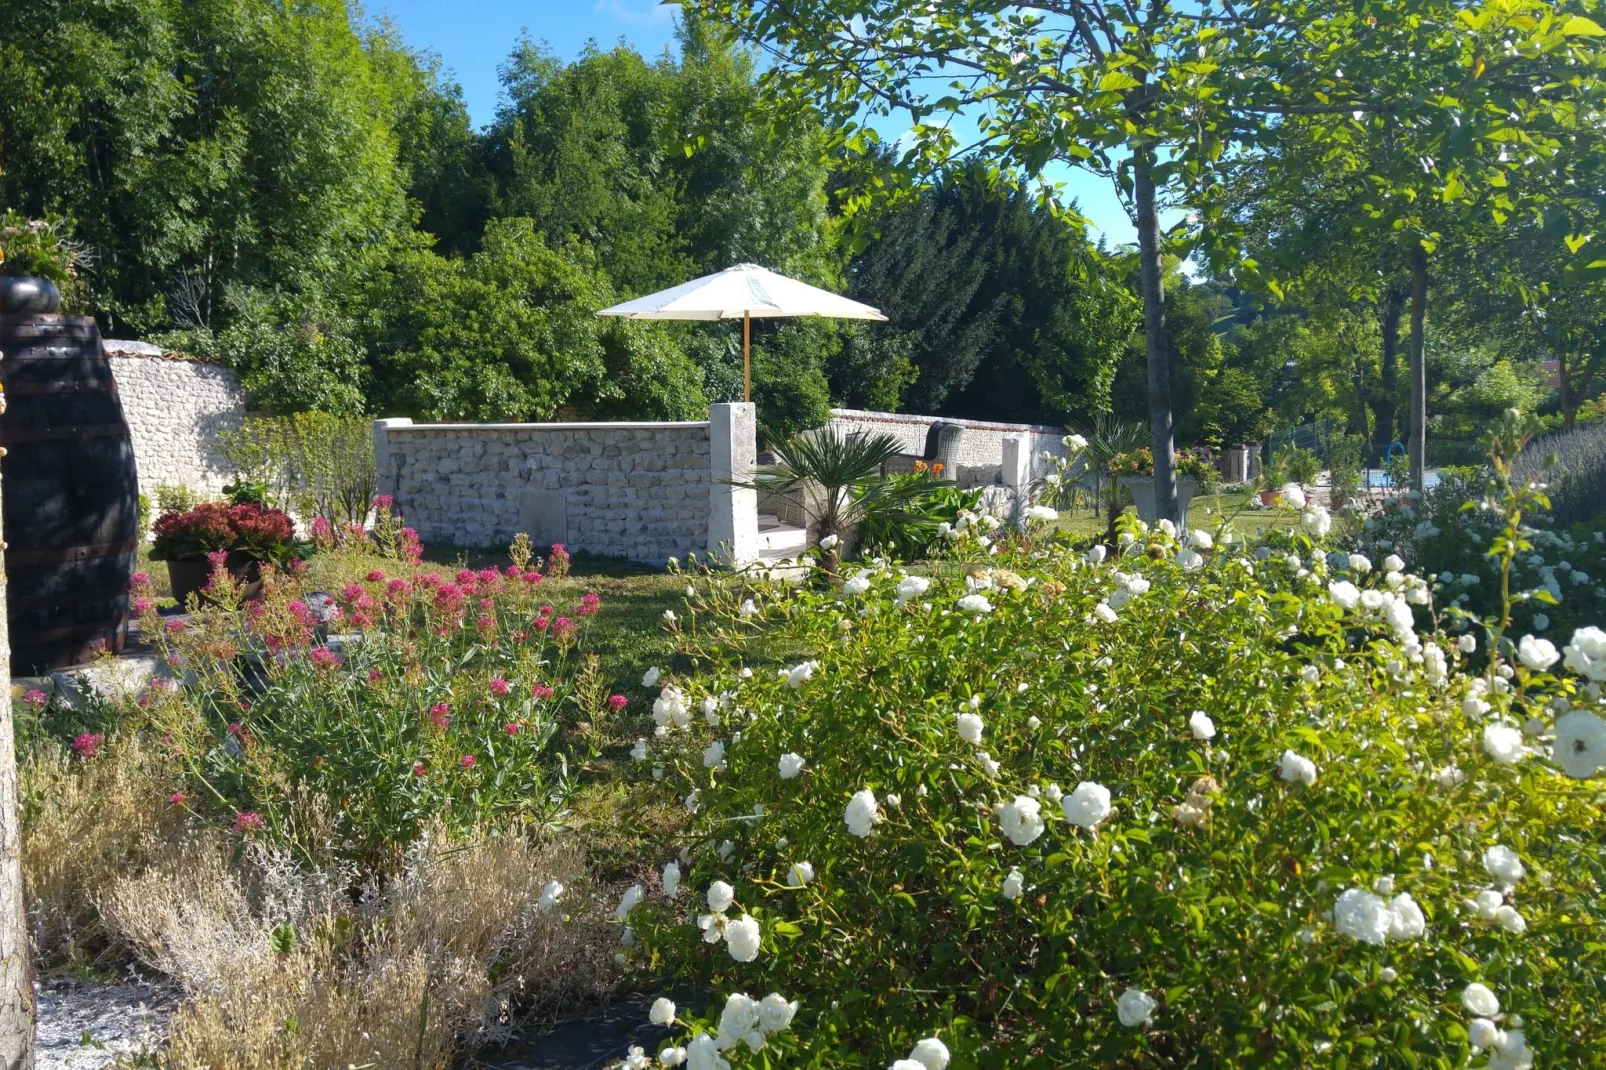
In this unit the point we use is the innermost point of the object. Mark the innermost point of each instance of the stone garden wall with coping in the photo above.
(643, 491)
(175, 409)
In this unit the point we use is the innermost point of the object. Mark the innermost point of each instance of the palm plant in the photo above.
(837, 479)
(1106, 437)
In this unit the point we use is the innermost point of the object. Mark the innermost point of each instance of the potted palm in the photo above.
(248, 534)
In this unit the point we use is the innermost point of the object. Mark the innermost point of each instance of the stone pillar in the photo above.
(1017, 461)
(732, 511)
(384, 463)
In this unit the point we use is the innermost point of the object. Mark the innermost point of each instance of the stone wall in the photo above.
(643, 491)
(175, 409)
(981, 445)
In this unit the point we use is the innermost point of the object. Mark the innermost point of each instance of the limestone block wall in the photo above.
(980, 446)
(644, 491)
(176, 409)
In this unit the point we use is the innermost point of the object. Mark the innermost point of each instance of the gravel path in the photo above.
(87, 1026)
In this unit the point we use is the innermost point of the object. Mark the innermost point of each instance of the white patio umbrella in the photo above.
(747, 291)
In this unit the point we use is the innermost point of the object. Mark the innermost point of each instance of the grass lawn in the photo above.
(1207, 511)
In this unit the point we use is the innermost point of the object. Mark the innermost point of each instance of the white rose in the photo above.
(1088, 805)
(1294, 495)
(1201, 725)
(975, 603)
(550, 896)
(1503, 864)
(1503, 743)
(856, 586)
(970, 727)
(1293, 767)
(1586, 654)
(1013, 884)
(672, 879)
(775, 1012)
(932, 1053)
(1392, 563)
(639, 751)
(1479, 1000)
(1537, 654)
(720, 897)
(861, 814)
(628, 901)
(799, 675)
(662, 1012)
(650, 677)
(1580, 747)
(742, 938)
(1482, 1034)
(1406, 921)
(1511, 921)
(703, 1054)
(713, 754)
(791, 765)
(675, 1056)
(1021, 820)
(829, 543)
(1345, 593)
(911, 587)
(1135, 1007)
(1042, 512)
(1363, 916)
(799, 874)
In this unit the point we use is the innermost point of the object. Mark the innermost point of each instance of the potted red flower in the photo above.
(249, 534)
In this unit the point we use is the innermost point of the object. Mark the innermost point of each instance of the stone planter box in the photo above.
(1142, 488)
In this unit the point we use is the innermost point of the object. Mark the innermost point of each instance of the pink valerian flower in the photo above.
(485, 623)
(376, 576)
(298, 567)
(540, 624)
(323, 657)
(531, 579)
(412, 547)
(375, 676)
(489, 579)
(428, 579)
(450, 599)
(617, 702)
(248, 821)
(540, 691)
(36, 698)
(178, 798)
(418, 769)
(589, 605)
(518, 636)
(466, 761)
(352, 592)
(438, 715)
(557, 562)
(398, 590)
(383, 502)
(142, 606)
(466, 578)
(563, 629)
(174, 626)
(511, 728)
(500, 687)
(88, 744)
(139, 580)
(323, 536)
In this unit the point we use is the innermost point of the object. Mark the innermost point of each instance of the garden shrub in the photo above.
(1559, 583)
(399, 698)
(1572, 464)
(1188, 802)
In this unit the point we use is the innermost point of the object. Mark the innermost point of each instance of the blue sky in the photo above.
(473, 37)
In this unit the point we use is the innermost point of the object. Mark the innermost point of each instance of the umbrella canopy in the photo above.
(744, 292)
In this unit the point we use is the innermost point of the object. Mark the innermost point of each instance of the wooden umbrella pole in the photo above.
(747, 359)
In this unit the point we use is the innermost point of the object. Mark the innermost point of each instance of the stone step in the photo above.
(776, 541)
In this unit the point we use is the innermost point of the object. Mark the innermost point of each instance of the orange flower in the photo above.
(920, 466)
(937, 468)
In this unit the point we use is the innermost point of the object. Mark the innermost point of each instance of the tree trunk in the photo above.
(1569, 404)
(1152, 273)
(16, 952)
(1418, 445)
(1384, 406)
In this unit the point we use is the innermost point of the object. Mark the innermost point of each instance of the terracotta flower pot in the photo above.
(187, 577)
(1270, 497)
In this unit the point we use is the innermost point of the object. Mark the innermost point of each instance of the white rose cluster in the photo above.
(1371, 919)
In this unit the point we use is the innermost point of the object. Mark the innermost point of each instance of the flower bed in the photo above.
(1189, 802)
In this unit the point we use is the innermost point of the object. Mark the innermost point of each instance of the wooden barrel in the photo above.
(71, 501)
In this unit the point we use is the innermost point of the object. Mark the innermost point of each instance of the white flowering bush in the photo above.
(1185, 801)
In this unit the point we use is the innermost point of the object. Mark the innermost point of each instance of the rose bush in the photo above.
(1192, 801)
